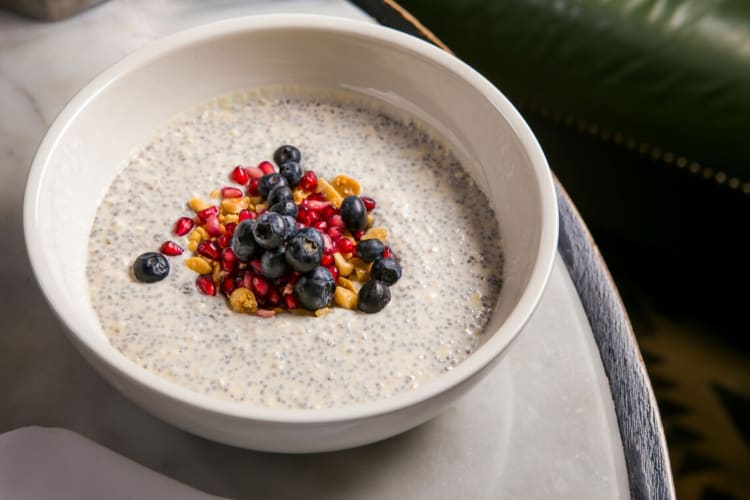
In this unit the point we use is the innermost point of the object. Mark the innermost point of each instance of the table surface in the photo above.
(541, 425)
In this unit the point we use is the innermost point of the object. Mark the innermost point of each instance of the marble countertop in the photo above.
(541, 425)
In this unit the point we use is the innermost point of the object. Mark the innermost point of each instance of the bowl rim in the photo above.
(481, 358)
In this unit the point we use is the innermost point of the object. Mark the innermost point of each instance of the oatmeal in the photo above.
(441, 227)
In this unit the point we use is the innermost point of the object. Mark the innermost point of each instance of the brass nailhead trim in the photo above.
(643, 148)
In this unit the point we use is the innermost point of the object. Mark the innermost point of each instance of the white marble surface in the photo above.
(542, 425)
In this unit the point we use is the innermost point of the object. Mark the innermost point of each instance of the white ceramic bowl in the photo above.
(120, 109)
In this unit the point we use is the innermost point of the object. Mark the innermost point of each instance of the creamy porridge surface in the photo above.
(441, 228)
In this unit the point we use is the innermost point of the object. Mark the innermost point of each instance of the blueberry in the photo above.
(291, 224)
(292, 172)
(285, 208)
(314, 290)
(270, 230)
(151, 267)
(373, 296)
(354, 214)
(268, 182)
(369, 250)
(386, 270)
(305, 249)
(243, 240)
(273, 264)
(280, 193)
(285, 154)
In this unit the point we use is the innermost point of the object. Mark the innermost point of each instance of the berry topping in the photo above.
(314, 290)
(285, 154)
(273, 263)
(386, 270)
(304, 250)
(291, 225)
(239, 175)
(370, 250)
(344, 245)
(279, 194)
(292, 172)
(309, 181)
(208, 249)
(266, 167)
(206, 284)
(354, 214)
(151, 267)
(270, 230)
(183, 226)
(171, 248)
(243, 240)
(374, 296)
(369, 203)
(285, 208)
(268, 182)
(231, 192)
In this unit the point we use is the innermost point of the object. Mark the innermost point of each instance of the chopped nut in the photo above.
(348, 284)
(323, 311)
(242, 300)
(198, 265)
(216, 272)
(215, 193)
(197, 204)
(198, 234)
(369, 220)
(234, 205)
(346, 186)
(192, 245)
(362, 275)
(299, 195)
(329, 192)
(229, 218)
(344, 267)
(380, 233)
(345, 298)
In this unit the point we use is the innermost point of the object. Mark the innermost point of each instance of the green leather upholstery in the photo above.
(673, 75)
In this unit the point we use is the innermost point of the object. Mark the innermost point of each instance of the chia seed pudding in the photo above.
(441, 225)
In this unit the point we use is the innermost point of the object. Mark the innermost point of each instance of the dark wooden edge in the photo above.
(641, 431)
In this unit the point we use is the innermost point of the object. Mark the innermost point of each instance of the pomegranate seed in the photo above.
(228, 260)
(335, 232)
(334, 272)
(326, 260)
(212, 226)
(358, 235)
(335, 220)
(345, 245)
(309, 181)
(294, 278)
(228, 285)
(247, 280)
(239, 175)
(230, 192)
(302, 216)
(329, 212)
(246, 214)
(254, 172)
(183, 226)
(329, 248)
(274, 297)
(224, 240)
(387, 254)
(229, 228)
(265, 313)
(289, 301)
(312, 217)
(255, 265)
(252, 189)
(208, 249)
(208, 212)
(206, 284)
(368, 202)
(171, 248)
(259, 286)
(321, 226)
(316, 197)
(266, 167)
